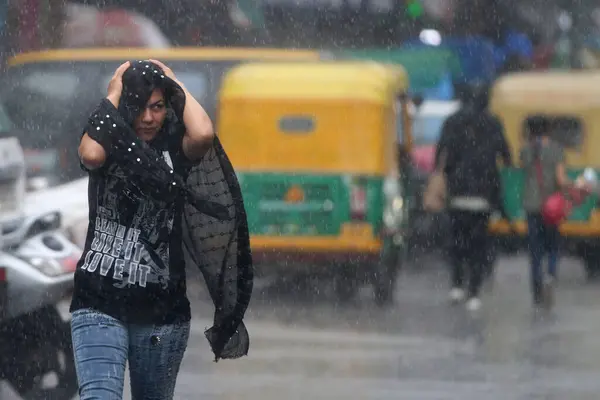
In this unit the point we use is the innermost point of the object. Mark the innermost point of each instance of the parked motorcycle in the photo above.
(37, 263)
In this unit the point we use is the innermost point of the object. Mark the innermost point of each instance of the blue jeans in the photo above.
(102, 345)
(543, 240)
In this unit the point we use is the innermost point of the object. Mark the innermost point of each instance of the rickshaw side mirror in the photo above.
(406, 121)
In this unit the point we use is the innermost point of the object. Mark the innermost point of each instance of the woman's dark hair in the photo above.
(538, 125)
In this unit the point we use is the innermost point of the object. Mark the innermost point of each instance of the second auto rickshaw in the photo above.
(571, 102)
(315, 148)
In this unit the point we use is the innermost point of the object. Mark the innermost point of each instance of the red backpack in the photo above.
(558, 206)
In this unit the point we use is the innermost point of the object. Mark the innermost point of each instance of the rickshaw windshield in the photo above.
(566, 130)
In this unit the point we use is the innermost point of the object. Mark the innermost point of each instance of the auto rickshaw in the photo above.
(571, 101)
(315, 149)
(49, 94)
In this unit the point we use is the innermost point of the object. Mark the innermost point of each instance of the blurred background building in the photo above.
(486, 37)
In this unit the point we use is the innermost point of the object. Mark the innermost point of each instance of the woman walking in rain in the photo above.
(162, 194)
(542, 160)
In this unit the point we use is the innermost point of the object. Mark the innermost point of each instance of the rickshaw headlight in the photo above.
(393, 213)
(397, 204)
(391, 187)
(394, 203)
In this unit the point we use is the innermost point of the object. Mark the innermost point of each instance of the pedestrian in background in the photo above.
(471, 141)
(543, 162)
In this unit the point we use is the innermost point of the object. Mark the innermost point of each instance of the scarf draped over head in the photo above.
(139, 81)
(214, 223)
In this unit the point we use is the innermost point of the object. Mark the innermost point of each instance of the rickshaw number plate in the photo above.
(357, 229)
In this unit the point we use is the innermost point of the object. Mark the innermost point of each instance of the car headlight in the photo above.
(47, 266)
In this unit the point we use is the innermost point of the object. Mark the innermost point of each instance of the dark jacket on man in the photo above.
(471, 141)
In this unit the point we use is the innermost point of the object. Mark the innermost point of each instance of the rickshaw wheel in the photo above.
(591, 262)
(345, 287)
(384, 294)
(592, 268)
(384, 282)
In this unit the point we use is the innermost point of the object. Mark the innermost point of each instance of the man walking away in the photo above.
(471, 141)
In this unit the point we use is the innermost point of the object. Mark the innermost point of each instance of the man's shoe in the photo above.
(548, 293)
(473, 304)
(457, 295)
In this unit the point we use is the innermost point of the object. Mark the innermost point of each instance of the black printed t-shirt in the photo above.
(132, 267)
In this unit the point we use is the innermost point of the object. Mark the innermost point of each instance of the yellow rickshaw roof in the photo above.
(177, 53)
(548, 91)
(361, 80)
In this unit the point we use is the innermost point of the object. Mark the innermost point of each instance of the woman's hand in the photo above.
(583, 185)
(199, 134)
(168, 72)
(115, 86)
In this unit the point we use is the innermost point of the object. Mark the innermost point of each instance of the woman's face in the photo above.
(151, 119)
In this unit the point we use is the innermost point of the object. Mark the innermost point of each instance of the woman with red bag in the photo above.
(548, 199)
(542, 160)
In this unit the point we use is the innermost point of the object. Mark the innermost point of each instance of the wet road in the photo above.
(303, 345)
